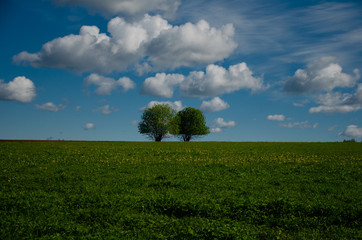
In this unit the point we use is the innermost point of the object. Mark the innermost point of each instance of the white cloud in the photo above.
(88, 51)
(125, 7)
(106, 85)
(219, 124)
(216, 130)
(51, 107)
(214, 105)
(334, 109)
(304, 124)
(321, 75)
(218, 80)
(149, 42)
(301, 103)
(88, 126)
(130, 37)
(20, 89)
(352, 131)
(161, 85)
(215, 81)
(177, 105)
(91, 51)
(105, 110)
(276, 117)
(333, 102)
(295, 104)
(191, 44)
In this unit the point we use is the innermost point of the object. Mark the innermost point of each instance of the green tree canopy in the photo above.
(157, 122)
(190, 123)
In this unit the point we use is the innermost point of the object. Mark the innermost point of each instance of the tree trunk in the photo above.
(187, 138)
(158, 138)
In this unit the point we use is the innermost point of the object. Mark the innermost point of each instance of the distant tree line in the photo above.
(161, 121)
(350, 140)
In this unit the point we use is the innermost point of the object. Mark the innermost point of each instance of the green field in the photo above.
(177, 190)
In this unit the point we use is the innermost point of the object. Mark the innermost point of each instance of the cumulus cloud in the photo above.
(161, 85)
(151, 41)
(88, 126)
(336, 102)
(105, 85)
(177, 105)
(304, 124)
(321, 75)
(215, 81)
(125, 7)
(191, 44)
(218, 80)
(130, 37)
(216, 130)
(92, 51)
(88, 51)
(214, 105)
(51, 107)
(219, 124)
(276, 117)
(352, 131)
(19, 89)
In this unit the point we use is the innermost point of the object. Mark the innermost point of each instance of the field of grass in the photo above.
(176, 190)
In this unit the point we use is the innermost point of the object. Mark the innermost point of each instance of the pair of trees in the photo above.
(161, 120)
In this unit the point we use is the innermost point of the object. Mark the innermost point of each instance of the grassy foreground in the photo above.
(169, 190)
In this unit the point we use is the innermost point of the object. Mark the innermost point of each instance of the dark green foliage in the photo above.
(157, 121)
(191, 123)
(121, 190)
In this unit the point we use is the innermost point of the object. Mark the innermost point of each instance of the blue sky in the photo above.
(260, 70)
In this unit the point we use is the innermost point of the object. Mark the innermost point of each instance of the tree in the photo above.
(190, 123)
(157, 122)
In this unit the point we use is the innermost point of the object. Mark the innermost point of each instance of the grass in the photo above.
(197, 190)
